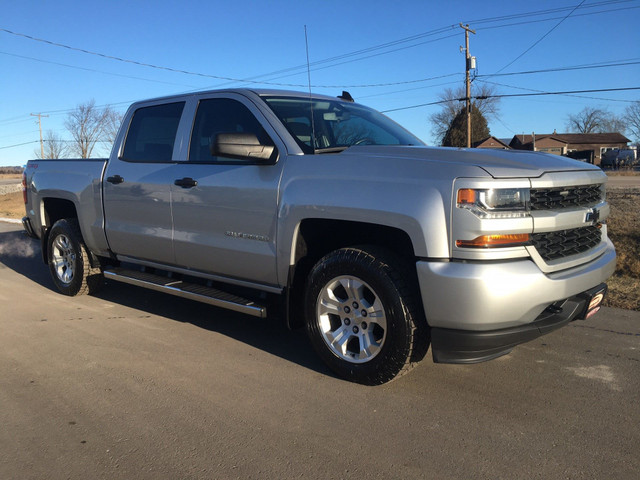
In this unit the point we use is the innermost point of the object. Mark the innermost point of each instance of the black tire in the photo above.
(68, 260)
(364, 316)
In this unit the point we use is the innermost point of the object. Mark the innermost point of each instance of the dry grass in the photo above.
(8, 176)
(623, 228)
(12, 205)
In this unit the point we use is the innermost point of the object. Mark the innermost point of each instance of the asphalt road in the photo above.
(9, 181)
(623, 181)
(132, 384)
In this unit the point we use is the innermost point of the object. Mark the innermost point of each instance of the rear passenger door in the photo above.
(137, 185)
(225, 209)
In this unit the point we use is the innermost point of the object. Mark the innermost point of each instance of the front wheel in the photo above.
(363, 314)
(69, 262)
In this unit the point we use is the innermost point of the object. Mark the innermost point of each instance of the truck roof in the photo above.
(261, 92)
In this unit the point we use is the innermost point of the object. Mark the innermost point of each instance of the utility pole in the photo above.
(39, 115)
(468, 79)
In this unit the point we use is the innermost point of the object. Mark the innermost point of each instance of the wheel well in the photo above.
(54, 209)
(317, 237)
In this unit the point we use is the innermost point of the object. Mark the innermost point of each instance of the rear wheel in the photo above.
(363, 314)
(69, 262)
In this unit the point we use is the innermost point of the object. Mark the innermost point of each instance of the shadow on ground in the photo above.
(22, 255)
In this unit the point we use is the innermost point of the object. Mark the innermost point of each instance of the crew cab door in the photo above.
(137, 185)
(225, 209)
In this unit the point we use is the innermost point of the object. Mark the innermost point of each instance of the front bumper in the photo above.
(459, 346)
(464, 299)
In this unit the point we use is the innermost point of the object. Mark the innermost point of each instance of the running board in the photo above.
(191, 291)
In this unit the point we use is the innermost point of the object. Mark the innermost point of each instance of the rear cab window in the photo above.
(152, 133)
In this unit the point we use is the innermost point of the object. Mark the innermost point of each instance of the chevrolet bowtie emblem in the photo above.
(593, 216)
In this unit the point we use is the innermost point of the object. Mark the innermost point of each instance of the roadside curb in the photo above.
(10, 220)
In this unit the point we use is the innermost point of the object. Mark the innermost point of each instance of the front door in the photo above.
(224, 209)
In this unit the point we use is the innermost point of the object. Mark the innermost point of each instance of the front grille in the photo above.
(565, 197)
(554, 245)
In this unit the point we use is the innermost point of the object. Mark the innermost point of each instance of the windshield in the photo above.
(337, 124)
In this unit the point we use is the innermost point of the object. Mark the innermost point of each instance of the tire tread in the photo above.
(398, 271)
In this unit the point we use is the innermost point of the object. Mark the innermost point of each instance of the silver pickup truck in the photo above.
(335, 217)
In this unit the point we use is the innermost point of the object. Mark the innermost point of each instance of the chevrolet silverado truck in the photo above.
(335, 217)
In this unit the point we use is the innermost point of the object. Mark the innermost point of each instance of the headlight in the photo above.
(495, 202)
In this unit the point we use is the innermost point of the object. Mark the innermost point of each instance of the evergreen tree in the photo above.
(456, 135)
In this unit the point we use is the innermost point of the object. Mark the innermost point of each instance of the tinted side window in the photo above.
(152, 133)
(221, 115)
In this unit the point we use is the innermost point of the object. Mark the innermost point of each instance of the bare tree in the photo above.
(87, 126)
(53, 145)
(632, 119)
(485, 102)
(595, 120)
(112, 121)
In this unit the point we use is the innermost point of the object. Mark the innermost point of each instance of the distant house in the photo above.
(491, 142)
(585, 146)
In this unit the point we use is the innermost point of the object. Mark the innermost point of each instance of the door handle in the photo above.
(115, 179)
(186, 182)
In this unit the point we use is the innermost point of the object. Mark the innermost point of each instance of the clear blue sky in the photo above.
(247, 39)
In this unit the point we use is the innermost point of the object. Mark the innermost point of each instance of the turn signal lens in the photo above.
(466, 196)
(491, 241)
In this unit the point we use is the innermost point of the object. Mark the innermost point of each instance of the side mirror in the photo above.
(240, 145)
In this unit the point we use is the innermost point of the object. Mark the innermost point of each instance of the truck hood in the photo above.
(497, 163)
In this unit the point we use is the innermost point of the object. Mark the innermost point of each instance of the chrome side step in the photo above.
(191, 291)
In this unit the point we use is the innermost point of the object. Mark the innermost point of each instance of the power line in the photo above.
(541, 38)
(568, 92)
(542, 91)
(253, 80)
(408, 89)
(134, 62)
(575, 15)
(515, 95)
(19, 144)
(111, 57)
(480, 78)
(611, 63)
(186, 72)
(558, 69)
(93, 70)
(442, 30)
(544, 12)
(356, 60)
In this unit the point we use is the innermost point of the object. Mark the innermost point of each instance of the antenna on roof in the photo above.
(313, 123)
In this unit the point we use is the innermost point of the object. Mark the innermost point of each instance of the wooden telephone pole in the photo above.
(468, 79)
(39, 115)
